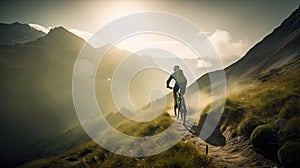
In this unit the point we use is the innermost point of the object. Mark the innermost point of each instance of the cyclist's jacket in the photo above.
(178, 76)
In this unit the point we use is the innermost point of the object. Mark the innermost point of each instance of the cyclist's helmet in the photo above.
(176, 67)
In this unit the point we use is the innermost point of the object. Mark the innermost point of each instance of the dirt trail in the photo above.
(237, 153)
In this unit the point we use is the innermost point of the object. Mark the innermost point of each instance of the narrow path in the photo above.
(237, 153)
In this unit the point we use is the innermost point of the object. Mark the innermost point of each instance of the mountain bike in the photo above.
(181, 106)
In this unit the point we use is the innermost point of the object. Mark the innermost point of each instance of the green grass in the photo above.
(232, 115)
(291, 130)
(248, 125)
(291, 108)
(254, 107)
(264, 138)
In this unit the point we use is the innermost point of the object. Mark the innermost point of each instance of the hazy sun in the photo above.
(117, 9)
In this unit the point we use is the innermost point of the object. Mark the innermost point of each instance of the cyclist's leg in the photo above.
(183, 110)
(175, 90)
(175, 102)
(179, 105)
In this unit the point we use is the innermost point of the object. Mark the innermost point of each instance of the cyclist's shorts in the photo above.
(182, 88)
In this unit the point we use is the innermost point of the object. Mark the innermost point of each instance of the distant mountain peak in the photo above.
(17, 23)
(60, 35)
(58, 32)
(16, 33)
(59, 29)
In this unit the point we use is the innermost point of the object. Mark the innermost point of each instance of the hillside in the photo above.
(17, 33)
(263, 95)
(36, 99)
(91, 154)
(268, 57)
(276, 50)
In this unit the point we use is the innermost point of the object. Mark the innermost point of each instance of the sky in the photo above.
(232, 26)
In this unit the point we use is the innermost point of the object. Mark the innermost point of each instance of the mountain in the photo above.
(17, 33)
(37, 110)
(263, 96)
(36, 94)
(276, 50)
(268, 57)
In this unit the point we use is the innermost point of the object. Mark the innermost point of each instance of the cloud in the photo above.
(203, 64)
(40, 28)
(203, 33)
(227, 49)
(83, 34)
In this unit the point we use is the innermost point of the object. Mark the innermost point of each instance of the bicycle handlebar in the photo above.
(169, 87)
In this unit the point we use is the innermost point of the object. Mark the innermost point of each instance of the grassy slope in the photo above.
(92, 155)
(36, 98)
(252, 105)
(263, 91)
(252, 109)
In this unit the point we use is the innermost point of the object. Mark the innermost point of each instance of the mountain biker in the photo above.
(180, 85)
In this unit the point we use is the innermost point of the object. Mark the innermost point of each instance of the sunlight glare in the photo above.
(117, 9)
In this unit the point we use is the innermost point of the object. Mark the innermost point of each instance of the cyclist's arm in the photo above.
(169, 80)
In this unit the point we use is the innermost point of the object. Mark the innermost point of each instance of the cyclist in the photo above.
(178, 91)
